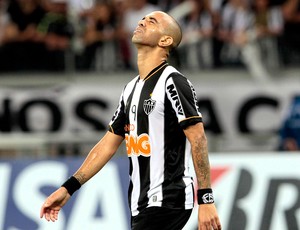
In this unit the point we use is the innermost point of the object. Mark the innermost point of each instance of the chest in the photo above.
(146, 99)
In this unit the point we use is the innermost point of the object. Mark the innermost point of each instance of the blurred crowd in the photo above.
(88, 35)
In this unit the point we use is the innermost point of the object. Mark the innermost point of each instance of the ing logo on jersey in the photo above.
(149, 106)
(138, 145)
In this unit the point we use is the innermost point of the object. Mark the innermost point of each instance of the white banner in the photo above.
(256, 191)
(233, 111)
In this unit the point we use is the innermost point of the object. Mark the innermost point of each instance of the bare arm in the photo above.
(197, 138)
(207, 213)
(99, 155)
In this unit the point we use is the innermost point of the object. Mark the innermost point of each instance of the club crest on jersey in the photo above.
(149, 105)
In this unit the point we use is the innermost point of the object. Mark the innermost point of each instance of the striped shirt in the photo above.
(151, 116)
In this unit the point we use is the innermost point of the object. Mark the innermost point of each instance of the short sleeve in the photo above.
(182, 95)
(117, 123)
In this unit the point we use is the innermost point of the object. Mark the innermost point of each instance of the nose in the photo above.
(141, 22)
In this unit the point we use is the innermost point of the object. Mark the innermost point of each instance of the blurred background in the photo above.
(63, 65)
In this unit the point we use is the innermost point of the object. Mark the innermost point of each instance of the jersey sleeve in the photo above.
(117, 123)
(182, 95)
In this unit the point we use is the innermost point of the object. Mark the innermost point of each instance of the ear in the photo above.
(165, 41)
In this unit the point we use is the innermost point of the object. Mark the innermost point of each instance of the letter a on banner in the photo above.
(103, 192)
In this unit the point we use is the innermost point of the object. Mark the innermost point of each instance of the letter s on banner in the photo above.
(37, 175)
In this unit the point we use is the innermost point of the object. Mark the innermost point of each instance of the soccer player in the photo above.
(159, 118)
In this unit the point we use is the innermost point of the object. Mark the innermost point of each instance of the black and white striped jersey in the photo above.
(151, 116)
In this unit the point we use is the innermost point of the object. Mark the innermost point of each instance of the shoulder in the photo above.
(129, 87)
(171, 71)
(131, 83)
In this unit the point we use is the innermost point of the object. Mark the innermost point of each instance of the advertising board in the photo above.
(254, 191)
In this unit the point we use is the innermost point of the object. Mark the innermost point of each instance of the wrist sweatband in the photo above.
(72, 185)
(205, 196)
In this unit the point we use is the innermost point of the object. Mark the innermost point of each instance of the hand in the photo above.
(208, 217)
(54, 203)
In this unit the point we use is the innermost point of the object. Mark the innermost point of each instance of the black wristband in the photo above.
(72, 185)
(205, 196)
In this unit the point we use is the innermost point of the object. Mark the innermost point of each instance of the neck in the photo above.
(148, 59)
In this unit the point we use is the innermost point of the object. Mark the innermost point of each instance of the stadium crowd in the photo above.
(88, 35)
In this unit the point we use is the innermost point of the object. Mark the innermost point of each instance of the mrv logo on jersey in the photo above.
(174, 95)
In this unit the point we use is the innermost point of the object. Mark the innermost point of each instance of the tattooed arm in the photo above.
(197, 139)
(100, 154)
(207, 213)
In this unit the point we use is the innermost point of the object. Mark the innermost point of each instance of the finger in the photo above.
(53, 215)
(56, 215)
(43, 209)
(216, 227)
(214, 224)
(205, 226)
(47, 215)
(218, 224)
(42, 212)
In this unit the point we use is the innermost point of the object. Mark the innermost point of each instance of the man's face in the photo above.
(149, 30)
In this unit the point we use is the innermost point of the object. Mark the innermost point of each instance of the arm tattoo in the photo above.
(80, 177)
(201, 162)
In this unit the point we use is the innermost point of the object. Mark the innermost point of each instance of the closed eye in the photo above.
(153, 20)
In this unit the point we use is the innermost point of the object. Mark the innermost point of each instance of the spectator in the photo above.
(168, 5)
(290, 42)
(4, 34)
(234, 19)
(123, 47)
(268, 27)
(22, 48)
(290, 130)
(216, 7)
(236, 31)
(98, 39)
(57, 33)
(196, 45)
(4, 20)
